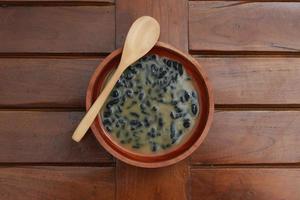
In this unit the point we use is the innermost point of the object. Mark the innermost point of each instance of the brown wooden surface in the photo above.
(45, 82)
(48, 183)
(243, 183)
(262, 80)
(249, 137)
(37, 1)
(151, 183)
(44, 137)
(49, 49)
(242, 26)
(57, 29)
(64, 81)
(139, 183)
(171, 14)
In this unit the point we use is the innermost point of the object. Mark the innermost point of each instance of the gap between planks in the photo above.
(254, 165)
(213, 53)
(53, 55)
(34, 164)
(255, 1)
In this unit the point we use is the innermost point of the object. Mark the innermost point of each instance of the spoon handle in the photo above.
(90, 116)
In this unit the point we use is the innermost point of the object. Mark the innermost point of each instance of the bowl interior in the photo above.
(196, 136)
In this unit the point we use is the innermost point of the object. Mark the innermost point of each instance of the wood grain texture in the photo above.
(79, 29)
(159, 184)
(250, 184)
(138, 183)
(63, 82)
(47, 183)
(250, 137)
(45, 82)
(244, 26)
(254, 80)
(171, 14)
(31, 1)
(45, 137)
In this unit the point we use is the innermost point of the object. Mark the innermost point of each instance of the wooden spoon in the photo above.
(142, 36)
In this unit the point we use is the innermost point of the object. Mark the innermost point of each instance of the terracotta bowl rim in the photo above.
(90, 94)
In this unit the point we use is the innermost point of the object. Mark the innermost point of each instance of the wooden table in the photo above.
(251, 51)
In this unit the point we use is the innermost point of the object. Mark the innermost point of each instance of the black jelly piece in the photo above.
(175, 115)
(186, 95)
(151, 134)
(186, 123)
(177, 109)
(112, 102)
(148, 81)
(153, 147)
(154, 69)
(179, 68)
(119, 83)
(141, 96)
(129, 93)
(146, 122)
(133, 70)
(107, 113)
(108, 128)
(115, 93)
(139, 65)
(174, 140)
(194, 108)
(136, 123)
(169, 63)
(194, 94)
(119, 109)
(182, 99)
(106, 121)
(153, 57)
(174, 102)
(180, 132)
(175, 65)
(160, 122)
(134, 114)
(142, 106)
(162, 74)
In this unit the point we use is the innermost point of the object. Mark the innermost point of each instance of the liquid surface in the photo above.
(153, 106)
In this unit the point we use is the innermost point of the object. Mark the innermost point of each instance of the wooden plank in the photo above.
(45, 137)
(250, 137)
(46, 183)
(45, 82)
(79, 29)
(162, 183)
(244, 26)
(31, 1)
(243, 183)
(171, 14)
(254, 80)
(137, 183)
(63, 82)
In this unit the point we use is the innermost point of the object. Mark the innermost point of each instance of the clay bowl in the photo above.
(198, 132)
